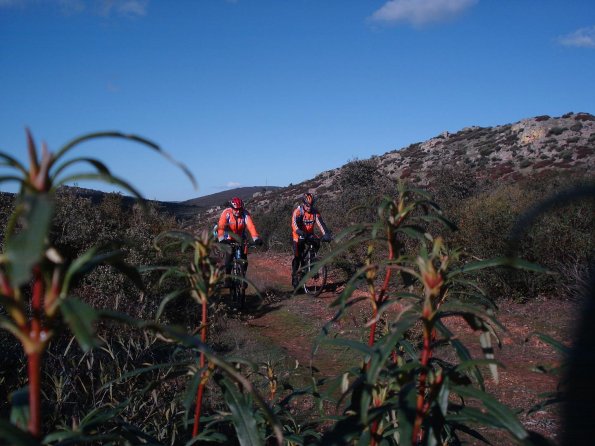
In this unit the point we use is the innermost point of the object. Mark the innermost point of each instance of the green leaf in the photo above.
(143, 370)
(109, 179)
(414, 232)
(19, 408)
(120, 135)
(561, 348)
(91, 259)
(499, 411)
(355, 345)
(9, 161)
(208, 437)
(80, 318)
(99, 166)
(27, 248)
(415, 191)
(461, 350)
(386, 345)
(100, 415)
(512, 262)
(485, 340)
(242, 412)
(183, 238)
(475, 317)
(9, 178)
(9, 325)
(167, 299)
(406, 413)
(15, 436)
(439, 218)
(190, 394)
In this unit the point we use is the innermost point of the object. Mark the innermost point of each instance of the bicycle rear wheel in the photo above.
(237, 290)
(314, 284)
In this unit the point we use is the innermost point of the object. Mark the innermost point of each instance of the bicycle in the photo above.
(238, 284)
(316, 280)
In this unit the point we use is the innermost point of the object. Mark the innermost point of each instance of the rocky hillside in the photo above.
(505, 152)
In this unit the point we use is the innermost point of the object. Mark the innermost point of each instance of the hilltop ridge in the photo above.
(506, 152)
(529, 147)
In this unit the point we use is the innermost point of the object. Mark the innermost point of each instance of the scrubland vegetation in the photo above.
(111, 313)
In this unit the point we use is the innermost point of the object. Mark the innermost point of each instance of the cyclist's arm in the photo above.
(321, 225)
(294, 219)
(221, 225)
(251, 228)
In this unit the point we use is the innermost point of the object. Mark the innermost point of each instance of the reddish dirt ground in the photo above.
(519, 384)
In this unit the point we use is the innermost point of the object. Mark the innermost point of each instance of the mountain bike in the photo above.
(316, 275)
(237, 284)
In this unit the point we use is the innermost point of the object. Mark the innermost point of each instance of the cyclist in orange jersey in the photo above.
(236, 219)
(303, 220)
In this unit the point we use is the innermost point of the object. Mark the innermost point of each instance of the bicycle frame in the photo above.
(237, 288)
(316, 282)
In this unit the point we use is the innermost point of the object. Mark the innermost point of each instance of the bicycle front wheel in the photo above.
(237, 290)
(316, 282)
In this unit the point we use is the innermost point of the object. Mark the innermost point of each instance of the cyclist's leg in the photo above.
(298, 248)
(315, 244)
(245, 266)
(228, 266)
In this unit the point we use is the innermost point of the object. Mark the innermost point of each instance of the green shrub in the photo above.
(556, 131)
(556, 240)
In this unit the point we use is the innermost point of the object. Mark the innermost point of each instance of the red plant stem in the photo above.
(372, 329)
(201, 386)
(425, 359)
(199, 395)
(34, 357)
(433, 393)
(378, 301)
(5, 285)
(34, 370)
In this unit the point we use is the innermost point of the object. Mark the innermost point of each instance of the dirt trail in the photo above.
(292, 322)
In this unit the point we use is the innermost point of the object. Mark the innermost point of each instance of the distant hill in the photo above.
(221, 198)
(185, 209)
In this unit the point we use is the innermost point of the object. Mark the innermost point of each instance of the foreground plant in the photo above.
(407, 392)
(35, 280)
(203, 277)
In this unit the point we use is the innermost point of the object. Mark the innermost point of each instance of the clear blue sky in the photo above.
(255, 92)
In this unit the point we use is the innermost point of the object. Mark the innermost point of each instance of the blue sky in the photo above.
(273, 92)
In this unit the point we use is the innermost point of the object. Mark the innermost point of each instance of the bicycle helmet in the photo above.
(237, 204)
(308, 199)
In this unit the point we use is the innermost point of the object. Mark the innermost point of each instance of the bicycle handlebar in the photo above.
(312, 239)
(235, 244)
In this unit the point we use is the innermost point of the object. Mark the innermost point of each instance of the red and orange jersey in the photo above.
(229, 223)
(305, 221)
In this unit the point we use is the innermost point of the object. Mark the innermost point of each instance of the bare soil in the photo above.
(289, 324)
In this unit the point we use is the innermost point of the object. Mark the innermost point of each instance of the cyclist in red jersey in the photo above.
(236, 220)
(303, 220)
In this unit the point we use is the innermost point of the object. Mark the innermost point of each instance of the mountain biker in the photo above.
(236, 220)
(303, 219)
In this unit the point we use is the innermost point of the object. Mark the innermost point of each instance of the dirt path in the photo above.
(292, 323)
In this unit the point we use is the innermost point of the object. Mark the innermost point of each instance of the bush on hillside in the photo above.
(79, 224)
(557, 240)
(274, 225)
